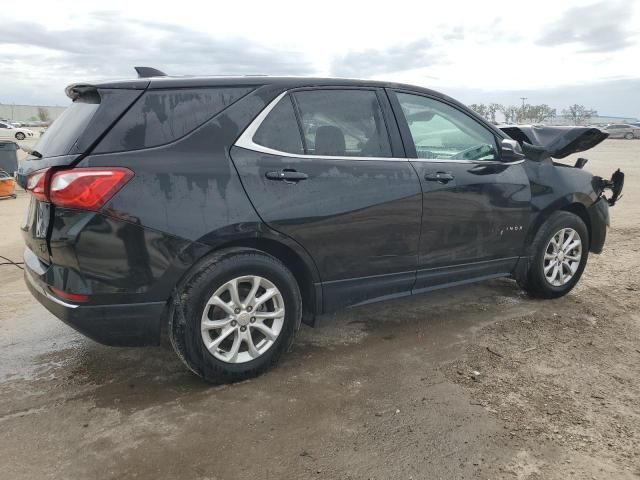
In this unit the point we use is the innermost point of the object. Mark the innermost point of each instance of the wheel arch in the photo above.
(295, 259)
(303, 270)
(573, 204)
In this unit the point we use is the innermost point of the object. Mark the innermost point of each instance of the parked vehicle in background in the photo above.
(226, 211)
(9, 132)
(622, 130)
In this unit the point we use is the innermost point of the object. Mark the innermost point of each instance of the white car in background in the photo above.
(9, 132)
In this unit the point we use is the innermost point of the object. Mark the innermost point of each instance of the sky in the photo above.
(557, 52)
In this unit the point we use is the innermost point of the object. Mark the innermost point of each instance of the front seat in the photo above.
(330, 141)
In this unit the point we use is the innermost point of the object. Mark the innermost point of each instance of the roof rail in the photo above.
(146, 72)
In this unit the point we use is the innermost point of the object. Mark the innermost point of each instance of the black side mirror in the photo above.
(510, 151)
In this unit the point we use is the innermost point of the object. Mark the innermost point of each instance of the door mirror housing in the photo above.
(510, 151)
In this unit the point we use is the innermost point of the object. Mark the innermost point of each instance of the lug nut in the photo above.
(253, 319)
(237, 310)
(233, 323)
(249, 309)
(242, 329)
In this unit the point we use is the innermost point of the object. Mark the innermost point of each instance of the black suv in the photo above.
(227, 211)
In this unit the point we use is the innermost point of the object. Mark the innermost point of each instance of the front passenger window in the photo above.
(443, 132)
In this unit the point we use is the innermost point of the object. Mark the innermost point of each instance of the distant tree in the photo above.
(488, 112)
(493, 108)
(537, 113)
(479, 108)
(43, 114)
(512, 114)
(578, 114)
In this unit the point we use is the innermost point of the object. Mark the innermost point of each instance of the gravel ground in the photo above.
(476, 382)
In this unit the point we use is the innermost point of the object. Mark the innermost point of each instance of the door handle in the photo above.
(287, 175)
(441, 177)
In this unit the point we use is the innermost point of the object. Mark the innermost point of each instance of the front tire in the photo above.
(629, 136)
(557, 256)
(20, 136)
(235, 316)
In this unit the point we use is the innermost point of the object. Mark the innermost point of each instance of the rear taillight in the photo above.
(37, 183)
(87, 188)
(80, 188)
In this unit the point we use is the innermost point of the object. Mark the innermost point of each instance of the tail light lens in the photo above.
(87, 188)
(37, 183)
(80, 188)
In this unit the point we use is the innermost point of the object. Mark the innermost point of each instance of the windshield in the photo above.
(66, 129)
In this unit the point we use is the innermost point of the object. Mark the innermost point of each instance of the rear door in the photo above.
(326, 167)
(475, 207)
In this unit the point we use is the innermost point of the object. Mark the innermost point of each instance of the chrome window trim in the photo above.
(246, 141)
(479, 162)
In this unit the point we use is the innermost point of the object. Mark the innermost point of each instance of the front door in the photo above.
(326, 167)
(475, 207)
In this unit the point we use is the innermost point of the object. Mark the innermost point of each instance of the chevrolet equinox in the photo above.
(225, 211)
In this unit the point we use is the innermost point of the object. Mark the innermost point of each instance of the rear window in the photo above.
(67, 128)
(162, 116)
(343, 123)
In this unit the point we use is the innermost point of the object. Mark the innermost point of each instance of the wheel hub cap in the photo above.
(243, 318)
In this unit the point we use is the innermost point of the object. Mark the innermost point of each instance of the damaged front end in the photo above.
(543, 142)
(614, 185)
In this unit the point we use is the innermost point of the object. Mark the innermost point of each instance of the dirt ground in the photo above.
(476, 382)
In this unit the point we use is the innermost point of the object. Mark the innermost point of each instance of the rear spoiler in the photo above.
(540, 142)
(76, 90)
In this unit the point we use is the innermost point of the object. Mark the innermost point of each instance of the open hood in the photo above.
(540, 142)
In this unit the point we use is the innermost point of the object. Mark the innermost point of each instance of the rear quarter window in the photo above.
(279, 130)
(163, 116)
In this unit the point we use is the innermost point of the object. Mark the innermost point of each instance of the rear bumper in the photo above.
(599, 217)
(124, 325)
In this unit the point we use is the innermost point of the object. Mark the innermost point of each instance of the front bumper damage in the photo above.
(614, 185)
(599, 211)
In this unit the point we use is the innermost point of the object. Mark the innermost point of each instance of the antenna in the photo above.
(146, 72)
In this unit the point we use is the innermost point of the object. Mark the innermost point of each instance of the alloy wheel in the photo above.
(562, 257)
(242, 319)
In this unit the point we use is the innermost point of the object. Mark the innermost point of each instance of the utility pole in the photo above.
(523, 99)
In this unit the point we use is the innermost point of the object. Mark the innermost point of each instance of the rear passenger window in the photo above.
(279, 130)
(162, 116)
(343, 123)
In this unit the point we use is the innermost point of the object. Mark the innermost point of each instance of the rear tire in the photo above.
(222, 340)
(20, 136)
(557, 256)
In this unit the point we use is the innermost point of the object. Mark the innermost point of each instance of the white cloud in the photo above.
(468, 46)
